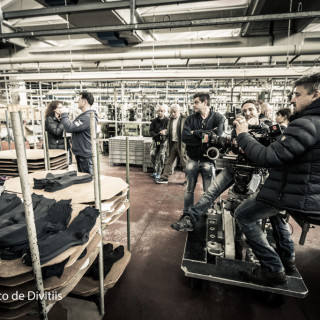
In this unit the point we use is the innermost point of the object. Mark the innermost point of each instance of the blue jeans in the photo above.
(84, 164)
(193, 168)
(222, 182)
(247, 215)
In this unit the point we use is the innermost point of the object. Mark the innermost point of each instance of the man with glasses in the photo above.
(80, 129)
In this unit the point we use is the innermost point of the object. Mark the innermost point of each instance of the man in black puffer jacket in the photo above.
(293, 182)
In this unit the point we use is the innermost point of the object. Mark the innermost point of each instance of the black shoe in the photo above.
(184, 183)
(183, 224)
(264, 277)
(290, 266)
(161, 180)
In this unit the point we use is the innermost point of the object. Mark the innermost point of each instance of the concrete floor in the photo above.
(153, 287)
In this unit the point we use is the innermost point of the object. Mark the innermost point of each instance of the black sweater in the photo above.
(195, 123)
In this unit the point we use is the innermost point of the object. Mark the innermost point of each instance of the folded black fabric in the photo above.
(15, 243)
(17, 214)
(8, 201)
(41, 183)
(110, 256)
(64, 182)
(55, 270)
(76, 234)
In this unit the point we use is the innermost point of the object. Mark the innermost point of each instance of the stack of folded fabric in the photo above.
(52, 183)
(66, 181)
(110, 256)
(76, 234)
(8, 201)
(41, 183)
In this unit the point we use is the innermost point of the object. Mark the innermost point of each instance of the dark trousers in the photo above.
(84, 164)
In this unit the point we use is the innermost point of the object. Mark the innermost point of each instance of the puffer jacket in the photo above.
(294, 178)
(195, 147)
(54, 129)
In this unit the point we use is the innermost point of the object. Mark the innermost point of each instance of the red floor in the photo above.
(154, 287)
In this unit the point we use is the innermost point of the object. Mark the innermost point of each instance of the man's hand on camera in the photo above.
(241, 125)
(64, 110)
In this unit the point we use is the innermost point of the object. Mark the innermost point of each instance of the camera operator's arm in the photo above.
(152, 129)
(296, 139)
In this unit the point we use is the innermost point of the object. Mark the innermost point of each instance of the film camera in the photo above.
(214, 146)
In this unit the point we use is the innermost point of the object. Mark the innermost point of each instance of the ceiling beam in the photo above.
(164, 25)
(114, 5)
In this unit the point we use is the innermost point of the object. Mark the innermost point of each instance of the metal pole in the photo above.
(164, 25)
(97, 205)
(33, 133)
(47, 149)
(44, 142)
(8, 132)
(128, 182)
(28, 207)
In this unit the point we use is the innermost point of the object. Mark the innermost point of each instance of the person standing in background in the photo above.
(54, 126)
(176, 148)
(159, 144)
(283, 116)
(80, 129)
(266, 113)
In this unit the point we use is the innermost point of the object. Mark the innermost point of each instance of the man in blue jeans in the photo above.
(293, 182)
(80, 129)
(250, 110)
(203, 120)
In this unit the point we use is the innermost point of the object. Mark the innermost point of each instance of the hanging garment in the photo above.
(76, 234)
(64, 182)
(15, 243)
(8, 201)
(41, 183)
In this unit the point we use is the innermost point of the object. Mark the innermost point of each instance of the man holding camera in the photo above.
(158, 148)
(203, 120)
(225, 179)
(293, 182)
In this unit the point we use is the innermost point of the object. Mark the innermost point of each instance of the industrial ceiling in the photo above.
(69, 39)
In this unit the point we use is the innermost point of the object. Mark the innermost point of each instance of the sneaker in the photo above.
(161, 180)
(183, 224)
(157, 176)
(264, 277)
(153, 175)
(290, 266)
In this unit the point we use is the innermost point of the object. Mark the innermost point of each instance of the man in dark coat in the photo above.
(293, 183)
(158, 148)
(203, 120)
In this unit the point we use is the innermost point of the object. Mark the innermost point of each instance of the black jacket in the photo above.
(294, 180)
(54, 129)
(156, 126)
(195, 123)
(80, 129)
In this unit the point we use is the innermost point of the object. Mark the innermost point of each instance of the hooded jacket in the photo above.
(80, 129)
(195, 123)
(294, 178)
(55, 128)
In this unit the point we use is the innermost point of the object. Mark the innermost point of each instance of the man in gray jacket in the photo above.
(80, 129)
